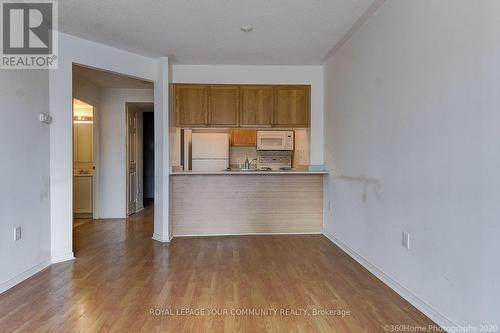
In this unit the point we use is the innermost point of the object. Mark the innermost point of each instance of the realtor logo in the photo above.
(29, 34)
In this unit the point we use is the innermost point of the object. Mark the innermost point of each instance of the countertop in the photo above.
(244, 172)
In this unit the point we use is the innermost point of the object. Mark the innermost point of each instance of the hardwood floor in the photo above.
(121, 275)
(80, 222)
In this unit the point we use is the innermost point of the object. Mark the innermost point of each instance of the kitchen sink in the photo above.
(249, 170)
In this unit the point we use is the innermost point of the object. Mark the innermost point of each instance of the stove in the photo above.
(274, 160)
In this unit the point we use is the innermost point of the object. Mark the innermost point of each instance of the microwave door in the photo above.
(271, 143)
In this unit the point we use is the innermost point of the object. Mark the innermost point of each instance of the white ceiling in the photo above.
(105, 79)
(291, 32)
(144, 107)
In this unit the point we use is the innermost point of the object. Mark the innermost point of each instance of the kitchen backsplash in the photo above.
(237, 155)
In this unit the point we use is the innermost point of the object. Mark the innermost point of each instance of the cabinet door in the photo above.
(83, 142)
(82, 195)
(256, 106)
(244, 138)
(224, 105)
(191, 105)
(291, 106)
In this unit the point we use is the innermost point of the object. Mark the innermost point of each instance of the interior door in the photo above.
(131, 160)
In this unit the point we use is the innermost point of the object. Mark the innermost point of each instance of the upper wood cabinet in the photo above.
(224, 103)
(243, 138)
(291, 106)
(242, 106)
(191, 105)
(257, 105)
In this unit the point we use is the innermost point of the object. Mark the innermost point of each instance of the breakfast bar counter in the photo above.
(247, 202)
(250, 172)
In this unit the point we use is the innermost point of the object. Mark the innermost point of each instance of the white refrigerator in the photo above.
(210, 151)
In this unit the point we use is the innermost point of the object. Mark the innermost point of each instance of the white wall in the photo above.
(112, 152)
(24, 175)
(80, 51)
(311, 75)
(413, 108)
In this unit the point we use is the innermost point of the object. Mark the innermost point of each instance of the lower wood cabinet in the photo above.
(82, 194)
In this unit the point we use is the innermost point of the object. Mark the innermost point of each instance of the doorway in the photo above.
(117, 168)
(140, 156)
(83, 161)
(149, 157)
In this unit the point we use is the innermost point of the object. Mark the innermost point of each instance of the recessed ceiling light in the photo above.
(246, 28)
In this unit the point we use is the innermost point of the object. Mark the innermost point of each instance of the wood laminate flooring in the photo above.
(80, 222)
(123, 281)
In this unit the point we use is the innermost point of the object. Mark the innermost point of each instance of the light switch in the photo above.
(17, 233)
(406, 240)
(45, 118)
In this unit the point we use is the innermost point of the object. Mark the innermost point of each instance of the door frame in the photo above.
(95, 152)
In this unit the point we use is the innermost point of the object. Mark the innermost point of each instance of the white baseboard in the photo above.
(24, 275)
(62, 257)
(404, 292)
(252, 234)
(161, 238)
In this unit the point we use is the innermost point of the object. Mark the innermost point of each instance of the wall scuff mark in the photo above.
(367, 183)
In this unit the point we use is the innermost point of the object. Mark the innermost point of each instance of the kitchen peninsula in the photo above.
(244, 162)
(252, 202)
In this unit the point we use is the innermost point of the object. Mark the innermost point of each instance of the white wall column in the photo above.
(61, 160)
(162, 164)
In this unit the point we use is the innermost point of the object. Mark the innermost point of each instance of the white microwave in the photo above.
(274, 140)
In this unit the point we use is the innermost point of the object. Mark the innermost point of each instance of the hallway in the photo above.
(121, 275)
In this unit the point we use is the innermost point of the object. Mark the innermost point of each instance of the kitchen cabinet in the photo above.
(224, 106)
(82, 194)
(83, 142)
(243, 138)
(257, 103)
(256, 106)
(191, 105)
(291, 106)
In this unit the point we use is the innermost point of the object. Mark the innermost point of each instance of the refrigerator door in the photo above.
(210, 164)
(210, 145)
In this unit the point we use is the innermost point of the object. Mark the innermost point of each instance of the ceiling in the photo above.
(144, 107)
(105, 79)
(291, 32)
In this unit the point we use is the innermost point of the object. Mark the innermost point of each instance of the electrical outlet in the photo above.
(406, 240)
(329, 206)
(17, 233)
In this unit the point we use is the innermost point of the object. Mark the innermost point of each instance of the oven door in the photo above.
(271, 140)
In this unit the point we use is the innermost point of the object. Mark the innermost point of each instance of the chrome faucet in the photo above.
(249, 163)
